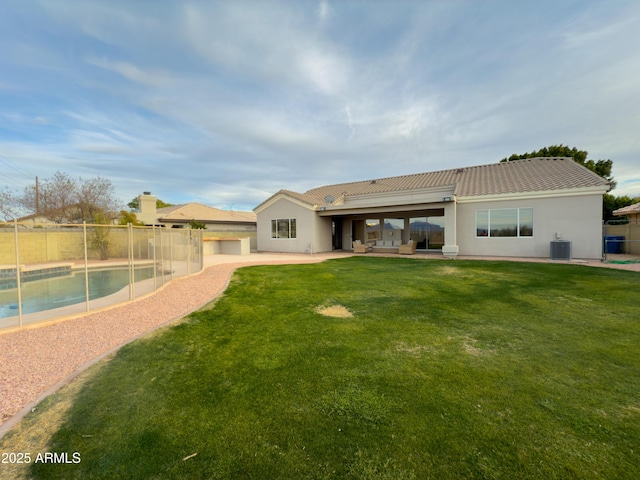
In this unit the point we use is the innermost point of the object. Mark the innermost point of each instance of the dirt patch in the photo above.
(415, 350)
(630, 411)
(469, 347)
(448, 270)
(334, 311)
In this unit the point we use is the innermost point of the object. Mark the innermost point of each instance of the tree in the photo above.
(53, 198)
(64, 199)
(195, 224)
(611, 203)
(9, 208)
(100, 236)
(129, 218)
(95, 199)
(600, 167)
(134, 204)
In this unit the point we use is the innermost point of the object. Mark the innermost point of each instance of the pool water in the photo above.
(67, 290)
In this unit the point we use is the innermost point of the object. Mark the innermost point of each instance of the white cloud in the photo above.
(325, 71)
(134, 73)
(347, 111)
(324, 10)
(236, 99)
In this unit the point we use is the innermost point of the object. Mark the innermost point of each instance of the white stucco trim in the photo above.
(280, 196)
(573, 192)
(381, 210)
(396, 198)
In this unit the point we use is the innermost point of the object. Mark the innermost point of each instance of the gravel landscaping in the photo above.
(34, 360)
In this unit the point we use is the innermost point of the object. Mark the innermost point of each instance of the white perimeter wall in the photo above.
(313, 232)
(578, 219)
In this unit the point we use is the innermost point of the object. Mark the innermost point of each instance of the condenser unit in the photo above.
(560, 250)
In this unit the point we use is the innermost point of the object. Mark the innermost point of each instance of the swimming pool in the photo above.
(64, 290)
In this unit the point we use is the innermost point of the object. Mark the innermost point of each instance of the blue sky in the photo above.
(225, 103)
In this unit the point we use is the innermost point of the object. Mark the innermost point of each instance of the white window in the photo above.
(504, 222)
(283, 228)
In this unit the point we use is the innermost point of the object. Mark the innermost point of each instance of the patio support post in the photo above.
(406, 233)
(450, 247)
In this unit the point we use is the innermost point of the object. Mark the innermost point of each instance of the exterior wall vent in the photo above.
(560, 250)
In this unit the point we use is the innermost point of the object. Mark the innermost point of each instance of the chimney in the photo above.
(147, 209)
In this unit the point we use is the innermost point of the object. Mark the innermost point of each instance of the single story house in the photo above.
(630, 231)
(218, 223)
(504, 209)
(631, 211)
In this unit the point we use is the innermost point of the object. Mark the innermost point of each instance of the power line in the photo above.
(12, 165)
(10, 177)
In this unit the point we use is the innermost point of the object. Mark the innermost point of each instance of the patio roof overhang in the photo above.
(396, 209)
(395, 201)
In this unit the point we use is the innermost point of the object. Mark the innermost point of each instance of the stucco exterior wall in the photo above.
(233, 232)
(313, 233)
(576, 218)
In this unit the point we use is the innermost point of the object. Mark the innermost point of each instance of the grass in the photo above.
(444, 370)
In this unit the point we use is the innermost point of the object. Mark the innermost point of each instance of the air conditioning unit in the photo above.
(560, 250)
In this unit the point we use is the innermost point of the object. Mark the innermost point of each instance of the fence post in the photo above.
(132, 271)
(201, 250)
(161, 254)
(627, 244)
(171, 253)
(155, 264)
(604, 241)
(17, 250)
(86, 264)
(189, 246)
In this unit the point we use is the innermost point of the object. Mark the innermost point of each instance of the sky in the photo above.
(225, 103)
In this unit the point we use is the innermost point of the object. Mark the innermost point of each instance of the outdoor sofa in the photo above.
(386, 246)
(394, 246)
(408, 249)
(360, 247)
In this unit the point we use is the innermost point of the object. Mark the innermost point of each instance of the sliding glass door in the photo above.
(427, 232)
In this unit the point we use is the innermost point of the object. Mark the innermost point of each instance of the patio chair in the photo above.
(408, 249)
(359, 247)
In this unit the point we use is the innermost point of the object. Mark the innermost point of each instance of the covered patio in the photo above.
(431, 227)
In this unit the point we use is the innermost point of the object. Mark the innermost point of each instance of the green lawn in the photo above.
(447, 369)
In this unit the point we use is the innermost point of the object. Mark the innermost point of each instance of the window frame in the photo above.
(529, 218)
(292, 232)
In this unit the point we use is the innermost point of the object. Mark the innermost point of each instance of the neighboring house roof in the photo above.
(36, 217)
(41, 218)
(628, 210)
(203, 213)
(517, 176)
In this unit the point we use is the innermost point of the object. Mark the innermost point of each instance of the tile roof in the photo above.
(628, 210)
(518, 176)
(203, 213)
